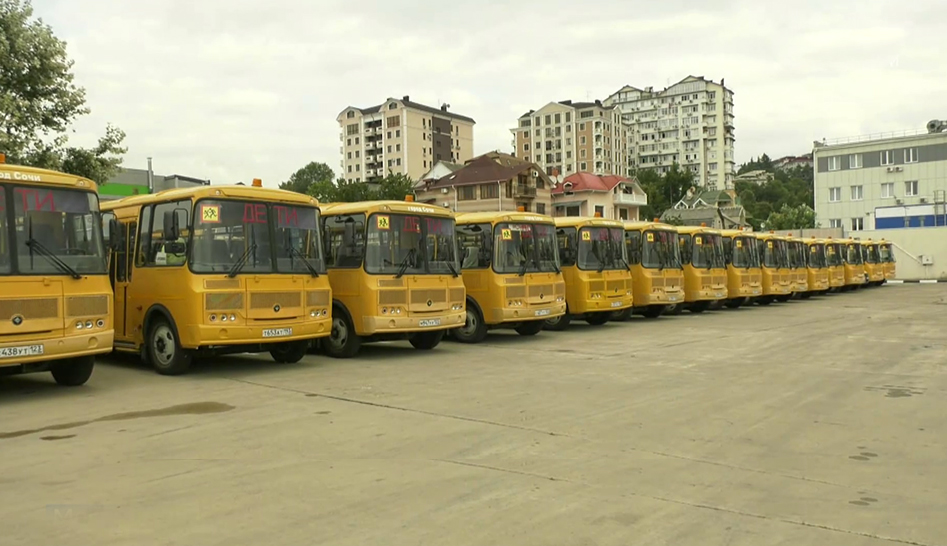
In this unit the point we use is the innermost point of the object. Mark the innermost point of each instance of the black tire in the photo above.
(699, 307)
(765, 300)
(558, 324)
(73, 372)
(342, 341)
(674, 310)
(598, 319)
(805, 295)
(164, 349)
(734, 303)
(623, 315)
(783, 298)
(530, 328)
(653, 311)
(425, 341)
(290, 352)
(474, 329)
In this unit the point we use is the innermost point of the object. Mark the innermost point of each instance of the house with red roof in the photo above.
(612, 196)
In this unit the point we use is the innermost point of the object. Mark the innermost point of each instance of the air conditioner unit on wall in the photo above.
(444, 190)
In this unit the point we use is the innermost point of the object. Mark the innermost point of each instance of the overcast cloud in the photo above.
(235, 89)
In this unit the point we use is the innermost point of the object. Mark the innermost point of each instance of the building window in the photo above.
(568, 154)
(351, 129)
(910, 155)
(425, 163)
(398, 162)
(835, 222)
(393, 121)
(398, 133)
(397, 147)
(568, 117)
(910, 188)
(569, 167)
(855, 161)
(356, 141)
(358, 167)
(348, 142)
(887, 190)
(524, 123)
(357, 152)
(538, 133)
(466, 193)
(858, 224)
(541, 208)
(835, 195)
(582, 126)
(887, 158)
(526, 147)
(582, 153)
(389, 148)
(388, 136)
(857, 193)
(568, 128)
(600, 210)
(582, 140)
(835, 163)
(582, 166)
(572, 210)
(350, 168)
(548, 119)
(348, 155)
(558, 118)
(568, 141)
(489, 191)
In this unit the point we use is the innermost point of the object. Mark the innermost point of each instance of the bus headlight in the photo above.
(560, 299)
(88, 325)
(100, 323)
(213, 318)
(233, 317)
(79, 325)
(457, 307)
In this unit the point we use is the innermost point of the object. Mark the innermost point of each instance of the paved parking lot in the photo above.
(811, 422)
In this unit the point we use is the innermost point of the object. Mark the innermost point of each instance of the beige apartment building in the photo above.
(587, 194)
(567, 137)
(689, 123)
(401, 136)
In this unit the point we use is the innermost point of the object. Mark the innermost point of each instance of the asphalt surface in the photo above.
(811, 422)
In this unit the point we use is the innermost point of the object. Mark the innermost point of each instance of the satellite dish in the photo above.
(557, 178)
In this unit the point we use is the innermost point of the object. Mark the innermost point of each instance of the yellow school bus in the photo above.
(777, 281)
(395, 274)
(55, 301)
(744, 276)
(510, 267)
(595, 268)
(854, 266)
(705, 269)
(834, 259)
(874, 267)
(817, 268)
(217, 270)
(886, 253)
(656, 272)
(797, 266)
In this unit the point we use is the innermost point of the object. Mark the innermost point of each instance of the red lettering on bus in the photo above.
(411, 224)
(254, 214)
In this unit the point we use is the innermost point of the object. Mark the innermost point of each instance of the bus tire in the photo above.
(805, 295)
(530, 328)
(164, 349)
(765, 300)
(623, 315)
(597, 319)
(699, 307)
(290, 352)
(675, 309)
(342, 342)
(425, 341)
(558, 324)
(73, 372)
(474, 329)
(734, 303)
(653, 311)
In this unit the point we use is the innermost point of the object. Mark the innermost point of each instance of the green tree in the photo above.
(395, 186)
(792, 217)
(664, 190)
(392, 187)
(302, 180)
(39, 100)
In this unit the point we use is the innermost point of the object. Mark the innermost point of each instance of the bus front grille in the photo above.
(540, 289)
(515, 292)
(36, 308)
(223, 301)
(317, 298)
(222, 284)
(613, 287)
(392, 297)
(430, 295)
(456, 295)
(596, 286)
(268, 300)
(719, 281)
(560, 289)
(87, 306)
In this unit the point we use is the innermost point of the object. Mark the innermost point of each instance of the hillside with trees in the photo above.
(316, 179)
(784, 202)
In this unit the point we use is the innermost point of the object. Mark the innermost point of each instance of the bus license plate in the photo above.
(719, 294)
(756, 292)
(672, 298)
(542, 312)
(14, 352)
(424, 323)
(278, 332)
(616, 304)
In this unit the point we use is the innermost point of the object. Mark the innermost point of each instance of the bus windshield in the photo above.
(523, 248)
(885, 254)
(407, 244)
(770, 253)
(230, 234)
(601, 248)
(744, 253)
(705, 250)
(660, 250)
(833, 255)
(816, 255)
(853, 254)
(871, 254)
(57, 231)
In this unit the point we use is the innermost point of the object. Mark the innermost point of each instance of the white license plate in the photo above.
(278, 332)
(672, 298)
(14, 352)
(542, 312)
(756, 292)
(616, 304)
(425, 323)
(719, 294)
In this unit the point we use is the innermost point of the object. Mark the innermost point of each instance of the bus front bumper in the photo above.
(660, 297)
(603, 305)
(509, 314)
(208, 335)
(58, 348)
(407, 324)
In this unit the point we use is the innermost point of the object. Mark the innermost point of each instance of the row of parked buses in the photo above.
(186, 273)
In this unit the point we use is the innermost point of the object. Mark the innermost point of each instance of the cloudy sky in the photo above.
(235, 89)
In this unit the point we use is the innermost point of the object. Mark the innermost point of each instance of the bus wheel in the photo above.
(805, 295)
(558, 324)
(623, 315)
(530, 328)
(765, 300)
(653, 311)
(474, 329)
(734, 303)
(290, 352)
(165, 351)
(73, 372)
(699, 307)
(426, 341)
(675, 309)
(597, 319)
(343, 342)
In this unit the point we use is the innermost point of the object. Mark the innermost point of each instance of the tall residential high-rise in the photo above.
(401, 136)
(689, 123)
(570, 137)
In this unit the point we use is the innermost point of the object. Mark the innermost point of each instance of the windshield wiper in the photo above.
(403, 266)
(293, 251)
(525, 266)
(241, 261)
(453, 269)
(33, 244)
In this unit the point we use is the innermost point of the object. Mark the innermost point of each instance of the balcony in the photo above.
(522, 190)
(630, 199)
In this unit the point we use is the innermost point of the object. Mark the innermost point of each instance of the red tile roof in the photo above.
(584, 181)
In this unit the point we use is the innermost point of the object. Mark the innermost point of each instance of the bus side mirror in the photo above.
(116, 235)
(171, 226)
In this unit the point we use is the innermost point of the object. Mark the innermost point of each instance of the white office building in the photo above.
(884, 181)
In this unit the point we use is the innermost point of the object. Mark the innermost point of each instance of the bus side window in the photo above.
(567, 246)
(633, 246)
(345, 240)
(475, 242)
(144, 235)
(132, 237)
(728, 249)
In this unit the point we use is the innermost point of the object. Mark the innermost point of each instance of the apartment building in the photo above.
(567, 137)
(492, 181)
(884, 181)
(689, 123)
(401, 136)
(587, 194)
